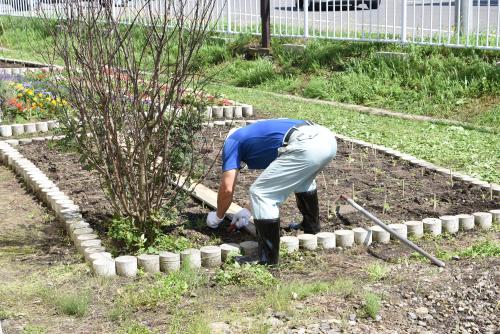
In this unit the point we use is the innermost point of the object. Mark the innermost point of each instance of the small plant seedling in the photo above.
(386, 207)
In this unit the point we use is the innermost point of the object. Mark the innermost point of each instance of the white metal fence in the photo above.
(460, 23)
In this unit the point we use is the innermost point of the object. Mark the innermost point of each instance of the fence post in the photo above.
(228, 16)
(265, 13)
(462, 17)
(306, 18)
(404, 18)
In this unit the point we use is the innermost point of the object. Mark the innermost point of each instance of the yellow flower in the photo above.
(47, 99)
(64, 102)
(30, 92)
(53, 102)
(58, 99)
(40, 95)
(35, 99)
(19, 95)
(19, 86)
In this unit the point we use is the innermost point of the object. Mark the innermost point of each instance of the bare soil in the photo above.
(83, 186)
(38, 261)
(390, 188)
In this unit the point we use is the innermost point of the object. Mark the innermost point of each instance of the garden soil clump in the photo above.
(83, 187)
(390, 188)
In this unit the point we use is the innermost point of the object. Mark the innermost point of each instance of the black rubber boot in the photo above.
(307, 203)
(268, 236)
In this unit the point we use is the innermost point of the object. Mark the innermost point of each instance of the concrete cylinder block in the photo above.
(169, 262)
(380, 235)
(5, 131)
(207, 114)
(228, 112)
(92, 250)
(449, 224)
(89, 243)
(326, 240)
(38, 139)
(62, 203)
(415, 228)
(308, 241)
(362, 236)
(238, 112)
(42, 127)
(219, 123)
(249, 248)
(465, 222)
(52, 124)
(79, 231)
(99, 255)
(149, 263)
(191, 258)
(17, 129)
(400, 229)
(432, 225)
(217, 112)
(483, 220)
(247, 110)
(76, 224)
(344, 238)
(12, 142)
(104, 267)
(126, 266)
(495, 214)
(290, 243)
(84, 237)
(25, 141)
(211, 256)
(29, 128)
(227, 249)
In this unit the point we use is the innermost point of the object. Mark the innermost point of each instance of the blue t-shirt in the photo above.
(256, 145)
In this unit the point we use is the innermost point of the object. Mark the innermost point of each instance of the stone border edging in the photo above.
(9, 130)
(34, 66)
(378, 111)
(88, 244)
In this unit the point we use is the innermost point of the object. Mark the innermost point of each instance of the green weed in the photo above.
(75, 304)
(245, 274)
(377, 271)
(343, 287)
(371, 304)
(133, 327)
(34, 329)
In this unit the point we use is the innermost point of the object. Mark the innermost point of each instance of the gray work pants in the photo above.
(309, 149)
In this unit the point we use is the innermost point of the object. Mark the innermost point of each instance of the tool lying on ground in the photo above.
(374, 219)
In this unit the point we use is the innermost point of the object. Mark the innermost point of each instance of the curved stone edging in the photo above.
(89, 246)
(9, 130)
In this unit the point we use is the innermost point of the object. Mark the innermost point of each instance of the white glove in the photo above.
(212, 220)
(242, 218)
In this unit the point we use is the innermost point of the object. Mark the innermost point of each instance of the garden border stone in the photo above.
(104, 265)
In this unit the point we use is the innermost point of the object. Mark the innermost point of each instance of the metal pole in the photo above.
(404, 14)
(306, 18)
(407, 242)
(228, 16)
(265, 14)
(462, 16)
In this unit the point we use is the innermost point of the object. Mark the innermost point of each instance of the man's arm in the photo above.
(226, 191)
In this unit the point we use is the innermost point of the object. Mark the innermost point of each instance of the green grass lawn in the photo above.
(471, 151)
